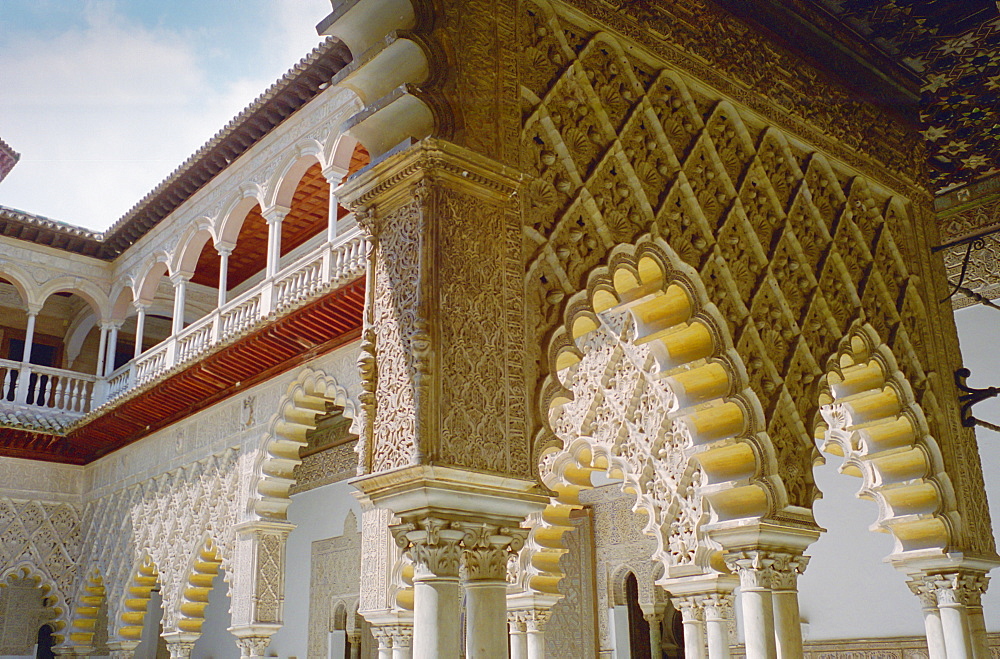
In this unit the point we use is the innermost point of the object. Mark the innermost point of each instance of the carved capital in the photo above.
(433, 544)
(717, 606)
(180, 649)
(786, 570)
(690, 607)
(925, 591)
(252, 646)
(959, 589)
(393, 635)
(755, 569)
(488, 549)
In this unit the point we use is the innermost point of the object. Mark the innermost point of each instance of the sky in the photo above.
(103, 99)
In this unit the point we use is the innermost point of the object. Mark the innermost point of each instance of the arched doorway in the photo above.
(45, 642)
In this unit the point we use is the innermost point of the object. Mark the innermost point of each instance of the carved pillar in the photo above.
(29, 334)
(718, 611)
(959, 603)
(925, 590)
(334, 176)
(693, 619)
(518, 635)
(102, 345)
(402, 641)
(258, 582)
(787, 622)
(756, 573)
(383, 639)
(444, 431)
(434, 546)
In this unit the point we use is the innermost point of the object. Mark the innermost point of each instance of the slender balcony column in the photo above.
(487, 549)
(435, 548)
(140, 326)
(718, 608)
(179, 281)
(755, 570)
(102, 344)
(693, 620)
(926, 591)
(518, 635)
(29, 334)
(787, 621)
(112, 349)
(224, 252)
(334, 176)
(274, 215)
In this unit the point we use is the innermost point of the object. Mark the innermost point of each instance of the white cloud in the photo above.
(103, 113)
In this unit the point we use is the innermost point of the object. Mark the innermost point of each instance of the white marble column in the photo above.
(274, 217)
(535, 621)
(927, 592)
(784, 589)
(180, 648)
(29, 336)
(693, 620)
(252, 647)
(435, 548)
(179, 280)
(334, 176)
(383, 641)
(518, 635)
(402, 641)
(224, 252)
(957, 592)
(718, 611)
(112, 350)
(484, 559)
(140, 327)
(102, 345)
(755, 572)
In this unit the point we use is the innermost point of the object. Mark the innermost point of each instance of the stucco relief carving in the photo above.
(791, 246)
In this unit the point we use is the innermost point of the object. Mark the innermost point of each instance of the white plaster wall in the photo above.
(317, 514)
(216, 642)
(979, 331)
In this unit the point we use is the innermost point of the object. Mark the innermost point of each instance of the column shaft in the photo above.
(101, 350)
(223, 275)
(955, 625)
(717, 609)
(486, 611)
(758, 621)
(29, 337)
(437, 622)
(180, 289)
(935, 634)
(112, 351)
(518, 636)
(140, 328)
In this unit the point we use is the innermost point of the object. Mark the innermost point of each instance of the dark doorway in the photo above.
(45, 351)
(45, 643)
(638, 628)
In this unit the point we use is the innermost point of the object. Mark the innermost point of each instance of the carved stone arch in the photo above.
(310, 394)
(337, 153)
(657, 324)
(86, 610)
(22, 282)
(339, 616)
(281, 188)
(53, 598)
(869, 416)
(231, 220)
(203, 567)
(145, 285)
(91, 293)
(135, 598)
(185, 256)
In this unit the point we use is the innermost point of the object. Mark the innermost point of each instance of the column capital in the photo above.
(275, 214)
(434, 545)
(140, 305)
(334, 175)
(786, 570)
(717, 606)
(33, 309)
(960, 588)
(178, 277)
(252, 646)
(488, 548)
(755, 568)
(180, 649)
(122, 649)
(690, 607)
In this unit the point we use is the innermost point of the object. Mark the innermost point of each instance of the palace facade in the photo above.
(525, 329)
